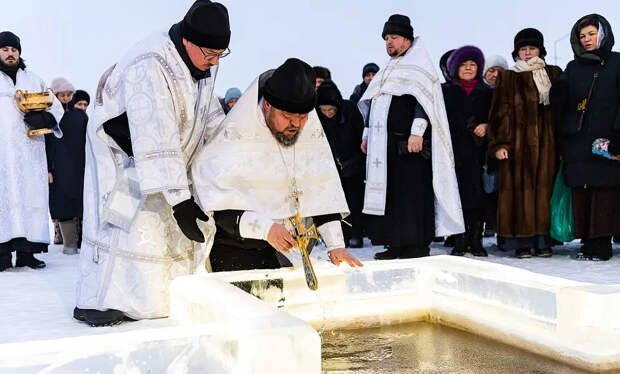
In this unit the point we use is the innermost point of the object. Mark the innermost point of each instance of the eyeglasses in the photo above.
(209, 56)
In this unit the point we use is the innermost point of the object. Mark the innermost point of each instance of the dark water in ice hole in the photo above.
(427, 348)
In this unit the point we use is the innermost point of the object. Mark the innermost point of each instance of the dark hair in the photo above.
(588, 21)
(322, 72)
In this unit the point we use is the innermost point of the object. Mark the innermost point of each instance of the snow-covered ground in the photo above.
(38, 304)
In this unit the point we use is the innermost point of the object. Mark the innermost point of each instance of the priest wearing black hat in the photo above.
(142, 226)
(410, 176)
(268, 161)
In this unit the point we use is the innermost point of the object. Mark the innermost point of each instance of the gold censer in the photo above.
(32, 102)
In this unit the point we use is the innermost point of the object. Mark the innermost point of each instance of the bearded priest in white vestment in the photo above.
(266, 162)
(410, 171)
(142, 227)
(23, 168)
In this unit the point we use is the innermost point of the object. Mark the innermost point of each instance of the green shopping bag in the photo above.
(562, 224)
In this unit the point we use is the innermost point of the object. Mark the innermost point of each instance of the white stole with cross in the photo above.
(412, 74)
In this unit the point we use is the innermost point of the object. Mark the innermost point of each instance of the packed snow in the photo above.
(38, 304)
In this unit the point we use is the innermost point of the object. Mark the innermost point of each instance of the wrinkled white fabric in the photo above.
(23, 165)
(132, 247)
(241, 167)
(411, 74)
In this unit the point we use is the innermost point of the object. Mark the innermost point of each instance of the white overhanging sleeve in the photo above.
(331, 233)
(253, 225)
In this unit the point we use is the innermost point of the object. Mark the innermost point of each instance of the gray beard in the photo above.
(284, 140)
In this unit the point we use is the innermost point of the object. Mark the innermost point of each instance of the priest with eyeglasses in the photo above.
(142, 225)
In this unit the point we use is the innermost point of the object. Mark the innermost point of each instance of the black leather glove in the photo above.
(40, 120)
(186, 213)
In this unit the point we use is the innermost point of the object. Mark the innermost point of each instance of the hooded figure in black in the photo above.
(588, 95)
(65, 163)
(468, 100)
(343, 125)
(368, 72)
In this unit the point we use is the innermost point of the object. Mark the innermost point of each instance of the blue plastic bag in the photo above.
(562, 224)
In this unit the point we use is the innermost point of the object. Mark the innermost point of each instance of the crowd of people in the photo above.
(170, 180)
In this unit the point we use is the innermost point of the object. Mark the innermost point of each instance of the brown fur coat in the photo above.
(518, 123)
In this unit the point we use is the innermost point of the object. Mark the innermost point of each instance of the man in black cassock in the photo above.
(401, 184)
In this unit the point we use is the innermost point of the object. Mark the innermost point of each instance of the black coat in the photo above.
(465, 112)
(601, 118)
(343, 131)
(358, 92)
(66, 160)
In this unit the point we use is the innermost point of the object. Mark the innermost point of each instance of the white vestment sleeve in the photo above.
(253, 225)
(331, 233)
(154, 129)
(365, 134)
(174, 197)
(419, 126)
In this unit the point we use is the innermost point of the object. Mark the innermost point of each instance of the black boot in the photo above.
(543, 252)
(6, 261)
(389, 254)
(356, 243)
(28, 259)
(460, 246)
(475, 242)
(601, 250)
(450, 241)
(523, 253)
(97, 318)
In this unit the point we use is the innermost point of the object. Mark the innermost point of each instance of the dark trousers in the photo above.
(226, 257)
(354, 193)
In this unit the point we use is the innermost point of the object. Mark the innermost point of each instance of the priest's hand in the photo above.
(340, 255)
(481, 130)
(280, 238)
(40, 120)
(50, 178)
(186, 213)
(501, 154)
(364, 146)
(414, 145)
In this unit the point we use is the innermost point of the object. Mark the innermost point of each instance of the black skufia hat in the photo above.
(399, 25)
(531, 37)
(291, 87)
(8, 39)
(206, 25)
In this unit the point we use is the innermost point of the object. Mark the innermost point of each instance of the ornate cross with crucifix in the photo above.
(306, 238)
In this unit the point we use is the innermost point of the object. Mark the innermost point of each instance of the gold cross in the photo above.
(306, 237)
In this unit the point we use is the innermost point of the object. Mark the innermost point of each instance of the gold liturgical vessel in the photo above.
(32, 102)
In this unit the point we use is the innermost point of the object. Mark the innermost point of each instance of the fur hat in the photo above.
(80, 95)
(465, 53)
(62, 85)
(531, 37)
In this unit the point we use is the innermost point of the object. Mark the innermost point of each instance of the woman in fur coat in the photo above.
(522, 138)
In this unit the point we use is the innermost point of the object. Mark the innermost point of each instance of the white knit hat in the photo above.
(495, 60)
(62, 85)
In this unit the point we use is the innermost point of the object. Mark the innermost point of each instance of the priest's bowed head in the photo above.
(206, 33)
(289, 96)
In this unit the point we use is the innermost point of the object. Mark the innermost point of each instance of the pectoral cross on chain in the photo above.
(295, 194)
